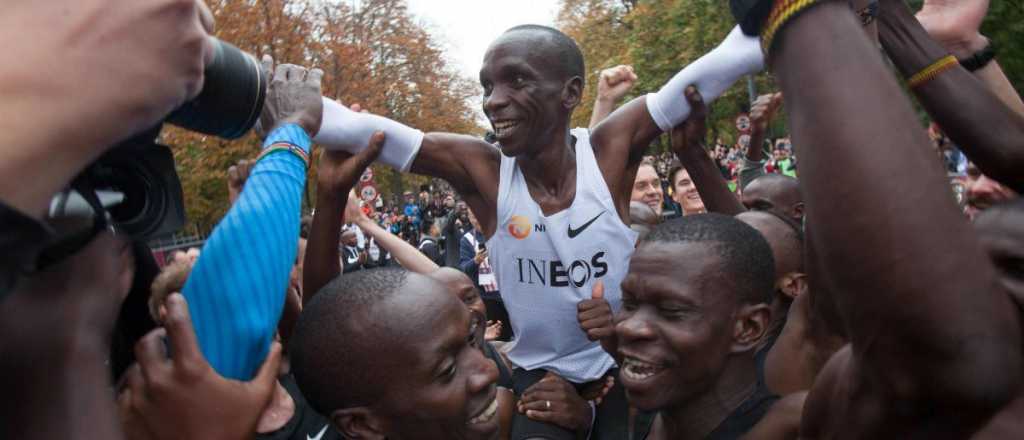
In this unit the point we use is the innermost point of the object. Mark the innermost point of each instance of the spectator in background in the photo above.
(982, 192)
(473, 260)
(684, 192)
(782, 162)
(647, 188)
(456, 225)
(412, 211)
(430, 243)
(352, 258)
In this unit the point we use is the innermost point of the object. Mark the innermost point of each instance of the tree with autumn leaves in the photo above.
(659, 37)
(375, 55)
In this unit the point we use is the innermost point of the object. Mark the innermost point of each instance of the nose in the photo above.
(633, 327)
(485, 373)
(496, 101)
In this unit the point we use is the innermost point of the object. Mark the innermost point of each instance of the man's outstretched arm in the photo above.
(620, 141)
(469, 164)
(338, 173)
(688, 145)
(988, 131)
(907, 268)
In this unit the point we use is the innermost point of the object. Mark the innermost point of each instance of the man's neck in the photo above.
(550, 166)
(700, 416)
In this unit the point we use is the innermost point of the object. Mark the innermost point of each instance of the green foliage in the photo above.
(658, 38)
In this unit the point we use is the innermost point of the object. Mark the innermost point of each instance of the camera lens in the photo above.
(232, 96)
(152, 204)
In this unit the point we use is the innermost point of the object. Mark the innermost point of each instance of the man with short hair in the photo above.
(431, 381)
(647, 188)
(687, 333)
(684, 192)
(777, 193)
(553, 202)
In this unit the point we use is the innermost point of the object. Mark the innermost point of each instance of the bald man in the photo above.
(777, 193)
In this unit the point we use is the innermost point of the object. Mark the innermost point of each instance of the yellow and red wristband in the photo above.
(933, 70)
(285, 146)
(782, 12)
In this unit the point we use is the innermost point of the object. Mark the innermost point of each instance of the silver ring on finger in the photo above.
(548, 402)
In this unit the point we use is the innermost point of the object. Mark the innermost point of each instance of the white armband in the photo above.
(344, 129)
(712, 74)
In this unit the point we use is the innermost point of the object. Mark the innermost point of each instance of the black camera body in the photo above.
(138, 177)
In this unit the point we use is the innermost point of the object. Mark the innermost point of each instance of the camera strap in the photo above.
(74, 242)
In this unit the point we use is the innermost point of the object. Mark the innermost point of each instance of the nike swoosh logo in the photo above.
(321, 434)
(574, 232)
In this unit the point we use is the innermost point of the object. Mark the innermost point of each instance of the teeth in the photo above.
(487, 414)
(636, 369)
(504, 128)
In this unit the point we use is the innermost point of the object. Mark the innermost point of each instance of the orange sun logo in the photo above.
(519, 227)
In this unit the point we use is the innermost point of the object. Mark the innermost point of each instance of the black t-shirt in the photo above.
(305, 424)
(739, 422)
(746, 416)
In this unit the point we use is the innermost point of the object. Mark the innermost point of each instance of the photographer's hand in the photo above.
(294, 98)
(56, 329)
(99, 71)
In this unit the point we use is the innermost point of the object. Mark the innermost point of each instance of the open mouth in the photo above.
(487, 413)
(504, 129)
(637, 370)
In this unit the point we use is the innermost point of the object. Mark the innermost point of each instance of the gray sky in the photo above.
(466, 27)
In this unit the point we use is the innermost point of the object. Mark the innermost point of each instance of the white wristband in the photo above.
(344, 129)
(712, 74)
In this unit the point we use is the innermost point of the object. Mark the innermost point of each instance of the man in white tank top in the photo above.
(553, 202)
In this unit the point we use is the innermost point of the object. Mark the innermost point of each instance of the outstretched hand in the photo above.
(294, 97)
(955, 24)
(340, 170)
(691, 133)
(615, 82)
(178, 397)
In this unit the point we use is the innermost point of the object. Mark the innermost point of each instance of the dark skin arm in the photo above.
(470, 165)
(339, 172)
(972, 116)
(688, 145)
(907, 264)
(761, 114)
(619, 143)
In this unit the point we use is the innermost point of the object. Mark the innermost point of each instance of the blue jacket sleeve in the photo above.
(237, 288)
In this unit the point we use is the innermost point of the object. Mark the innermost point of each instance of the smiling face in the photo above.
(528, 94)
(441, 385)
(685, 193)
(647, 188)
(676, 324)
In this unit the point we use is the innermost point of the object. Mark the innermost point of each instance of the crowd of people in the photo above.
(552, 282)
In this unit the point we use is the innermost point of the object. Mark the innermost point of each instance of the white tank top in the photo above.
(546, 265)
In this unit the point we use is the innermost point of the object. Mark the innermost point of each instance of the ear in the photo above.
(793, 284)
(358, 423)
(798, 210)
(572, 93)
(750, 326)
